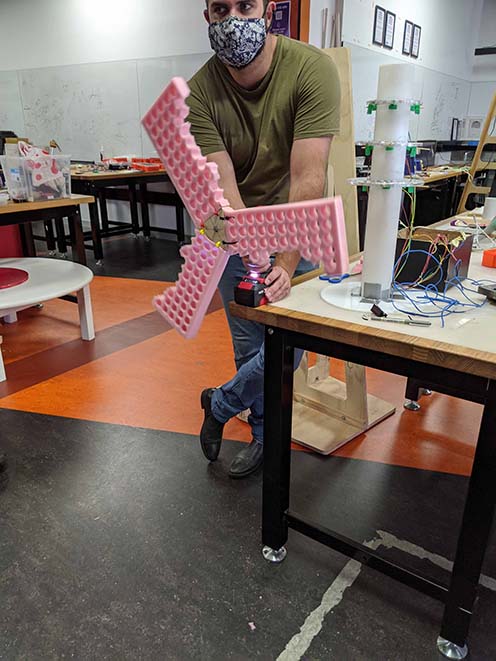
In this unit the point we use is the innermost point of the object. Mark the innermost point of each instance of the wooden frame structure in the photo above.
(478, 165)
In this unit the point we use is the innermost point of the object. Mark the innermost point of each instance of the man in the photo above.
(264, 109)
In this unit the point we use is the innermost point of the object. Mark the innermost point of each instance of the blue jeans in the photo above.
(245, 390)
(247, 336)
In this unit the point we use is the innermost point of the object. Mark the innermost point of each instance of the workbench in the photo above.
(458, 360)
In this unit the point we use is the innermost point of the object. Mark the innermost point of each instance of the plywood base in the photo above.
(327, 412)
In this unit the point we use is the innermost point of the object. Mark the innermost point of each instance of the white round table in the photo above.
(48, 279)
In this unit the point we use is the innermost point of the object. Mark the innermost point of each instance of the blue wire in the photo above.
(431, 294)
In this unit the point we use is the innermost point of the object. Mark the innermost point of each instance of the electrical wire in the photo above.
(428, 301)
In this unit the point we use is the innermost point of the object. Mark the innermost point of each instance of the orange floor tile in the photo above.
(114, 300)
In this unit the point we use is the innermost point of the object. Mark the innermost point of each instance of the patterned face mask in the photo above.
(237, 41)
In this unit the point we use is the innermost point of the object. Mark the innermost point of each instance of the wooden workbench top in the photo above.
(20, 207)
(467, 343)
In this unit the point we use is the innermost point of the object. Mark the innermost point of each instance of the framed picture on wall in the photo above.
(389, 31)
(416, 40)
(379, 26)
(407, 38)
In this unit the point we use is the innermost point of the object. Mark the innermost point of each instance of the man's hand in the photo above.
(278, 284)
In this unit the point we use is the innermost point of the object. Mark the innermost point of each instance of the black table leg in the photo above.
(96, 236)
(77, 237)
(102, 200)
(61, 242)
(27, 240)
(181, 238)
(50, 236)
(145, 215)
(476, 527)
(278, 408)
(133, 203)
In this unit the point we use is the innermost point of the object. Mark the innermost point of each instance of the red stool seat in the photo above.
(12, 277)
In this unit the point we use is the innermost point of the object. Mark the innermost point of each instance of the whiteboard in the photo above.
(83, 108)
(11, 115)
(443, 97)
(155, 74)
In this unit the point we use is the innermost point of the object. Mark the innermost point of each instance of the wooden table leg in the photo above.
(27, 240)
(145, 215)
(77, 237)
(103, 210)
(96, 236)
(133, 203)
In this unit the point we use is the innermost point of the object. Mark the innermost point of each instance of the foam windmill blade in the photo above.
(315, 228)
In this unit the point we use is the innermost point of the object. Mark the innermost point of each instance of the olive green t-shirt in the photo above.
(298, 98)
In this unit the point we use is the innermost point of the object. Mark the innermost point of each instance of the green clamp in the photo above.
(389, 147)
(411, 190)
(386, 187)
(364, 189)
(393, 106)
(369, 149)
(371, 108)
(415, 108)
(412, 151)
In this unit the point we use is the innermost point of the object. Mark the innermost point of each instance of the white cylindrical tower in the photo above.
(393, 107)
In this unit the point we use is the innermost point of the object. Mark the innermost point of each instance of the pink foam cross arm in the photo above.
(185, 304)
(196, 181)
(315, 228)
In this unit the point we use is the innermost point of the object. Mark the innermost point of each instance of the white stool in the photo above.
(48, 279)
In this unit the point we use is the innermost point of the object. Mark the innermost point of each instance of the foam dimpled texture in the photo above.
(316, 228)
(185, 304)
(196, 181)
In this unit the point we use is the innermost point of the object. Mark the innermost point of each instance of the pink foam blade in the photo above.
(184, 305)
(196, 181)
(316, 228)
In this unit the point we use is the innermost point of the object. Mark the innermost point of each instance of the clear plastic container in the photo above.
(37, 179)
(49, 177)
(14, 171)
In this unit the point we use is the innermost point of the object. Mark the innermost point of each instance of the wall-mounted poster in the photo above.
(407, 38)
(282, 19)
(390, 29)
(379, 26)
(416, 40)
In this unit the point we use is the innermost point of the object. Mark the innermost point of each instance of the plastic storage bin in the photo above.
(14, 172)
(37, 179)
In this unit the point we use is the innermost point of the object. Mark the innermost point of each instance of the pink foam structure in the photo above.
(185, 304)
(196, 181)
(315, 228)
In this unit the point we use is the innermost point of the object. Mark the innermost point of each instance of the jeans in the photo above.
(247, 336)
(245, 390)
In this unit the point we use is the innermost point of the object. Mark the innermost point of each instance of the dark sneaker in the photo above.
(248, 461)
(211, 431)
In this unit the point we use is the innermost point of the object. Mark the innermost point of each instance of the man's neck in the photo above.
(250, 76)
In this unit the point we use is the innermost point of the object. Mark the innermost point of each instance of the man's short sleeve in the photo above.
(202, 124)
(318, 100)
